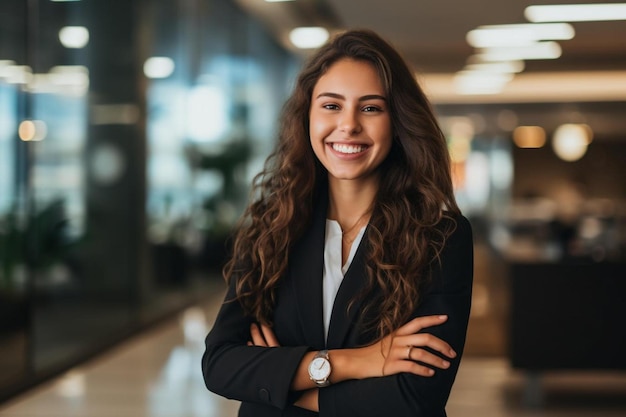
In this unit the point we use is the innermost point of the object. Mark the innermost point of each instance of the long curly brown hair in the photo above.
(415, 192)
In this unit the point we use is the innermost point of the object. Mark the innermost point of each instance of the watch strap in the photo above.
(322, 354)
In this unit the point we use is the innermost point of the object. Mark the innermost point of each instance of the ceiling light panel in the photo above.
(576, 12)
(497, 67)
(522, 34)
(539, 50)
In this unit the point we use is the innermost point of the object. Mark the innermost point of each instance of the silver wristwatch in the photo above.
(319, 369)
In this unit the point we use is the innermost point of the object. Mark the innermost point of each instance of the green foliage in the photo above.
(38, 242)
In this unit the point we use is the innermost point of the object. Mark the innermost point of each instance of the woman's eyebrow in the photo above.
(373, 97)
(364, 98)
(331, 95)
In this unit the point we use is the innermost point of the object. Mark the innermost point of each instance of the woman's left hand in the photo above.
(262, 335)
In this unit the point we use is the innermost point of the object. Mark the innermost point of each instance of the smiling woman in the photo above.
(350, 124)
(351, 275)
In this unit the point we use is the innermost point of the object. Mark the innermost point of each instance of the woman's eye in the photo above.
(371, 109)
(331, 106)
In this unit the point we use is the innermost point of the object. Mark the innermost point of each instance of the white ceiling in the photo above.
(431, 33)
(431, 36)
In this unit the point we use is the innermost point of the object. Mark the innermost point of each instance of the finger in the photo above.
(416, 368)
(268, 335)
(421, 370)
(257, 337)
(426, 340)
(420, 323)
(417, 354)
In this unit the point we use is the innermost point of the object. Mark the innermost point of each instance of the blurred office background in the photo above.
(130, 131)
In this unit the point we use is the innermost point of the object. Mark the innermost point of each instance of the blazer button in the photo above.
(264, 395)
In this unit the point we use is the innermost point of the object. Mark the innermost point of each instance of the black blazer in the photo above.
(260, 377)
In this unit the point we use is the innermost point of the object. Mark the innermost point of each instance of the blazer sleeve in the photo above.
(246, 373)
(408, 394)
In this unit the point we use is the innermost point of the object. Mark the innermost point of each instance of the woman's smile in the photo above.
(348, 149)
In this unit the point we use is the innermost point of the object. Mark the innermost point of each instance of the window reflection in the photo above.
(119, 186)
(58, 173)
(8, 125)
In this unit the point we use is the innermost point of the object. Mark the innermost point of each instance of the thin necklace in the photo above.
(345, 235)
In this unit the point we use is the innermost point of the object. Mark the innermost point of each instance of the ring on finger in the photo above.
(408, 351)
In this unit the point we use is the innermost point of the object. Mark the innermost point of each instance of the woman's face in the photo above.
(350, 124)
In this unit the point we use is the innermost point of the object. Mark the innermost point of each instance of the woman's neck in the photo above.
(350, 201)
(350, 204)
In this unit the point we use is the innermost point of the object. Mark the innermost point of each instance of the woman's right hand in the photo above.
(404, 351)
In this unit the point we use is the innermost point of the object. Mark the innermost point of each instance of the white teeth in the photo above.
(343, 148)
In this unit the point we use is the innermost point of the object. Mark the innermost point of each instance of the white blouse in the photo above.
(333, 270)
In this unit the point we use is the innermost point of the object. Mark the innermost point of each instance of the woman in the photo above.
(350, 281)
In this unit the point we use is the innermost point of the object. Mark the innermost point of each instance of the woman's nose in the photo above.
(349, 122)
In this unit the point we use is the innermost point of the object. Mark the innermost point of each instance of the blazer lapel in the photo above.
(343, 319)
(306, 270)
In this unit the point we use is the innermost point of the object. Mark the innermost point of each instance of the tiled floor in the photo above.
(157, 374)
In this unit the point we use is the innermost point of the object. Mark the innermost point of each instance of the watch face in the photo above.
(319, 369)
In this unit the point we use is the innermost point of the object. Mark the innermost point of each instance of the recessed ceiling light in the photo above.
(576, 12)
(308, 37)
(32, 130)
(75, 37)
(529, 137)
(158, 67)
(570, 141)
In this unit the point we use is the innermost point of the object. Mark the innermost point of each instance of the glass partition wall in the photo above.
(129, 131)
